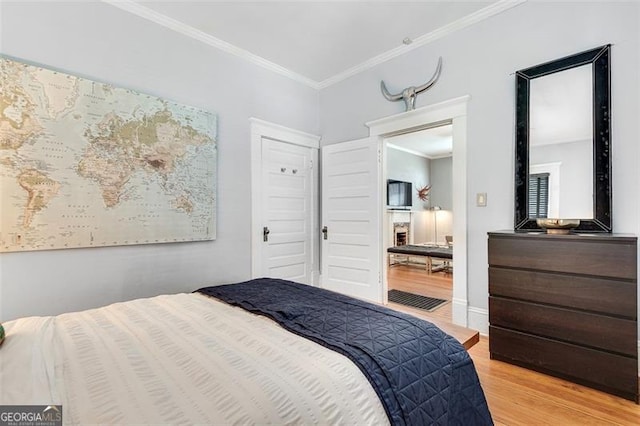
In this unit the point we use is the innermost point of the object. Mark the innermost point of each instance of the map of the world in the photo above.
(87, 164)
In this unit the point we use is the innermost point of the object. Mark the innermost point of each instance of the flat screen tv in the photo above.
(399, 194)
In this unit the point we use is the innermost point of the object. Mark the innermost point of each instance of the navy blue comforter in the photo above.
(422, 375)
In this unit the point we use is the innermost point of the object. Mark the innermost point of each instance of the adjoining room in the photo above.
(419, 220)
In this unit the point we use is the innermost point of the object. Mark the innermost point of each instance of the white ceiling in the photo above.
(433, 143)
(322, 42)
(316, 42)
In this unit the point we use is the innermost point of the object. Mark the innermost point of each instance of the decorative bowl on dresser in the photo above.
(566, 305)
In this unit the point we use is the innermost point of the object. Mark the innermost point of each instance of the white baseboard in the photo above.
(459, 314)
(478, 320)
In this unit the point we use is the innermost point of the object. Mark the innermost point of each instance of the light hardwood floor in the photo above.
(414, 279)
(517, 396)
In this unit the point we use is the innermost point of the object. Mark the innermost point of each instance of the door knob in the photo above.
(265, 233)
(325, 231)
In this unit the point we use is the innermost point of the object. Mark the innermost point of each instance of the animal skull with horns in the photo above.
(410, 94)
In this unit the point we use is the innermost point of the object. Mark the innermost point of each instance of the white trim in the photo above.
(460, 211)
(459, 309)
(409, 120)
(479, 320)
(144, 12)
(264, 129)
(284, 134)
(455, 112)
(480, 15)
(189, 31)
(387, 214)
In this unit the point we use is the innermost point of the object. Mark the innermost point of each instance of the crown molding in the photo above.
(144, 12)
(454, 26)
(407, 150)
(417, 153)
(189, 31)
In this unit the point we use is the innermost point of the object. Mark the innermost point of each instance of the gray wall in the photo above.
(101, 42)
(409, 168)
(576, 175)
(480, 61)
(442, 183)
(422, 171)
(415, 169)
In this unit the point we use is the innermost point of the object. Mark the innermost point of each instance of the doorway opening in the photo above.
(452, 111)
(420, 252)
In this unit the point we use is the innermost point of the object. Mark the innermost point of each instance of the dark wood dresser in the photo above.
(566, 305)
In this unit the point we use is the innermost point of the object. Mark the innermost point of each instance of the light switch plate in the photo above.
(481, 199)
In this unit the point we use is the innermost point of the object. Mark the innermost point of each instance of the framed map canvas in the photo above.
(86, 164)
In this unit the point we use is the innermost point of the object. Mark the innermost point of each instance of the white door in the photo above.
(287, 215)
(351, 213)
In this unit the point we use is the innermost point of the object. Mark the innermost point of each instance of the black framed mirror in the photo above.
(563, 142)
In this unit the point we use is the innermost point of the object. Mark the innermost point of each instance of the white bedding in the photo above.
(182, 358)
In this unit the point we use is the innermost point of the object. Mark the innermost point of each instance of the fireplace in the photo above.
(400, 234)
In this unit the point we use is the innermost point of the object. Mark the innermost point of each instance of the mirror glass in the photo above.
(561, 144)
(563, 161)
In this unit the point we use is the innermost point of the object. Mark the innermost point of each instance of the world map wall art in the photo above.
(87, 164)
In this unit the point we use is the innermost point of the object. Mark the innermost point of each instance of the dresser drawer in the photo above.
(583, 328)
(596, 294)
(611, 373)
(614, 259)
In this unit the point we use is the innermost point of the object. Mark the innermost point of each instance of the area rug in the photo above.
(415, 300)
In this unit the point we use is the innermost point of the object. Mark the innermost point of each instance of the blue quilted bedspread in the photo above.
(422, 375)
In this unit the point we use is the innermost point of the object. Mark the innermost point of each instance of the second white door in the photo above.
(287, 179)
(351, 218)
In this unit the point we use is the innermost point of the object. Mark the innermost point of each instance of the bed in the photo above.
(262, 351)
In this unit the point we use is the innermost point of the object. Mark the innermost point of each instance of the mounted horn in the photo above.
(410, 93)
(436, 76)
(388, 95)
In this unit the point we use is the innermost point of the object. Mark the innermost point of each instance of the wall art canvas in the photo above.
(88, 164)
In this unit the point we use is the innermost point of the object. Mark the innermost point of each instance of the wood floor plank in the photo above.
(517, 396)
(414, 279)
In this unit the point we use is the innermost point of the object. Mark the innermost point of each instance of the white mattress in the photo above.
(182, 358)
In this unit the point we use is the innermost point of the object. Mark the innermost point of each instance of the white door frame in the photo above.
(264, 129)
(454, 111)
